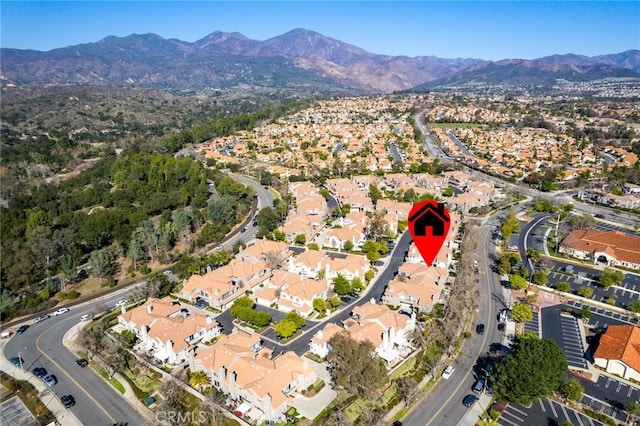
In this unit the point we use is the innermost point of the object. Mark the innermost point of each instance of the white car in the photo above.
(60, 311)
(448, 372)
(85, 317)
(121, 302)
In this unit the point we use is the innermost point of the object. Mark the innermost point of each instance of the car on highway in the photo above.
(17, 361)
(50, 380)
(245, 228)
(219, 247)
(480, 329)
(22, 329)
(40, 318)
(40, 372)
(121, 302)
(469, 400)
(82, 362)
(68, 400)
(85, 317)
(168, 272)
(60, 311)
(448, 372)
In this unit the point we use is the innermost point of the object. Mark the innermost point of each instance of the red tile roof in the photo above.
(621, 342)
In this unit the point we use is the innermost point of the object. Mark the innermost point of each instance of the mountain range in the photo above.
(300, 60)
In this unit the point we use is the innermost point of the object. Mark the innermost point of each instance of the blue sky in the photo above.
(488, 30)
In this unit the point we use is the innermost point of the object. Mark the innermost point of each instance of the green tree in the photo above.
(295, 317)
(540, 278)
(509, 225)
(521, 313)
(585, 291)
(348, 245)
(585, 313)
(563, 286)
(300, 239)
(356, 284)
(101, 263)
(517, 282)
(610, 277)
(506, 262)
(319, 305)
(448, 191)
(285, 328)
(534, 370)
(373, 257)
(534, 254)
(571, 389)
(136, 250)
(633, 408)
(356, 366)
(313, 246)
(341, 284)
(634, 307)
(198, 379)
(334, 301)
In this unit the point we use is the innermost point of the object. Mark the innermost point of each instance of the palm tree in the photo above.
(198, 379)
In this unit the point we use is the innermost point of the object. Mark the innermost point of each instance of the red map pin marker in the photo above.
(429, 225)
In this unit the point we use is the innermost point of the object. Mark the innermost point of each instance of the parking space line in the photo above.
(620, 384)
(609, 380)
(541, 405)
(508, 421)
(519, 411)
(566, 415)
(553, 408)
(578, 416)
(631, 389)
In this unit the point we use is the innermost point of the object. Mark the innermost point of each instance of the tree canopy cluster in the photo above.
(138, 205)
(534, 370)
(242, 309)
(356, 366)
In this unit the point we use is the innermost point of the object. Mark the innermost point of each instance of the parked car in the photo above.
(480, 329)
(40, 372)
(82, 362)
(68, 401)
(201, 304)
(448, 372)
(219, 247)
(22, 329)
(17, 361)
(60, 311)
(50, 380)
(40, 318)
(469, 400)
(478, 386)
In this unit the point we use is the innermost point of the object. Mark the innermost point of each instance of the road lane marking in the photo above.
(482, 346)
(72, 379)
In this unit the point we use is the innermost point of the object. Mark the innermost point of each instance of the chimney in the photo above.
(123, 309)
(149, 309)
(319, 334)
(209, 319)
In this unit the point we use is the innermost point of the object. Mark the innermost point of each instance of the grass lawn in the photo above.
(28, 395)
(407, 365)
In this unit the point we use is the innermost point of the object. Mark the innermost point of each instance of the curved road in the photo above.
(97, 402)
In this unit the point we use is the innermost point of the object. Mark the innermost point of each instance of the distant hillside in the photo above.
(300, 61)
(541, 72)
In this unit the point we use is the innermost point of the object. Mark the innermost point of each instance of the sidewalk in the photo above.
(474, 413)
(62, 414)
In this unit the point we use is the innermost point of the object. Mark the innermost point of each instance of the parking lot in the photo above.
(601, 317)
(534, 324)
(564, 330)
(14, 412)
(543, 412)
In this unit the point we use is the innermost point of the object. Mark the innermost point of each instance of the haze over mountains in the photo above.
(300, 60)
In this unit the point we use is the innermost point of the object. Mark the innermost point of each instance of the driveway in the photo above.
(311, 407)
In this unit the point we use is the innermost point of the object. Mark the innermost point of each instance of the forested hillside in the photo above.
(139, 206)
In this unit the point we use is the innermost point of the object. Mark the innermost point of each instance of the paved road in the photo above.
(443, 403)
(97, 402)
